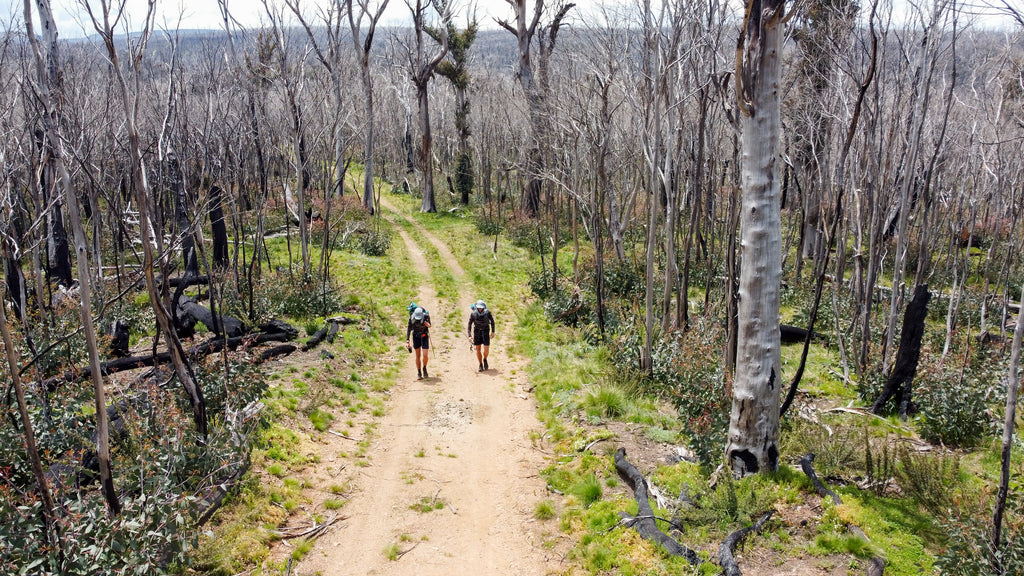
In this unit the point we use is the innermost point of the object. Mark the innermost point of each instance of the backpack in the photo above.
(419, 327)
(481, 320)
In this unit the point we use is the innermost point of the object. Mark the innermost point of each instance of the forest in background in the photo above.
(137, 166)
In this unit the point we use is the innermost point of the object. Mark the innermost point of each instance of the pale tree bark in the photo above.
(1010, 421)
(14, 373)
(524, 28)
(754, 423)
(105, 28)
(47, 70)
(421, 70)
(359, 10)
(928, 61)
(652, 104)
(294, 83)
(329, 55)
(58, 254)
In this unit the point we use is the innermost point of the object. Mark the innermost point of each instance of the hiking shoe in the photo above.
(419, 375)
(425, 372)
(481, 368)
(485, 364)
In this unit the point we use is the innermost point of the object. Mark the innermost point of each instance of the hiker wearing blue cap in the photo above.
(419, 329)
(480, 330)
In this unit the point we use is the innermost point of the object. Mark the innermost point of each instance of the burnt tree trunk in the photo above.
(220, 231)
(58, 252)
(897, 386)
(188, 239)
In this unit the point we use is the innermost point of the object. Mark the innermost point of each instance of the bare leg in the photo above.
(426, 355)
(479, 358)
(486, 350)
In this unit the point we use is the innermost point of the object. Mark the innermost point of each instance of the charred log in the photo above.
(807, 465)
(282, 333)
(644, 520)
(276, 351)
(328, 332)
(726, 552)
(795, 334)
(220, 325)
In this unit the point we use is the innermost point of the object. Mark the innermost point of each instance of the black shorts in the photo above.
(422, 341)
(481, 338)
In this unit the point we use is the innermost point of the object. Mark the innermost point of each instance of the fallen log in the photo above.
(727, 551)
(807, 465)
(332, 332)
(208, 347)
(275, 351)
(644, 520)
(317, 338)
(212, 501)
(327, 332)
(219, 324)
(793, 334)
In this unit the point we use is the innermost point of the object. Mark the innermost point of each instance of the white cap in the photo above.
(418, 314)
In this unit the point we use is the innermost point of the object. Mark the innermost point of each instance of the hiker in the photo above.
(480, 330)
(419, 328)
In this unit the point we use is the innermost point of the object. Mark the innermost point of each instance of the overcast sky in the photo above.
(72, 21)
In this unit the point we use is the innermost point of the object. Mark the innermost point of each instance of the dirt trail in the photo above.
(458, 438)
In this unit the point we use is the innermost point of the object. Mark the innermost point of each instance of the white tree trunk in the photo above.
(1012, 386)
(754, 423)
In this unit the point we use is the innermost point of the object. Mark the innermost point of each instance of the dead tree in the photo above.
(898, 384)
(48, 74)
(421, 70)
(358, 11)
(103, 25)
(524, 27)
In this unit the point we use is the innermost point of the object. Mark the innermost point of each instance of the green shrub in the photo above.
(932, 480)
(968, 528)
(163, 466)
(487, 225)
(623, 280)
(566, 307)
(837, 448)
(279, 294)
(687, 370)
(542, 284)
(529, 234)
(953, 410)
(374, 243)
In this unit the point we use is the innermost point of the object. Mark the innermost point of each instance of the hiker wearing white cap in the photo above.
(419, 329)
(480, 330)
